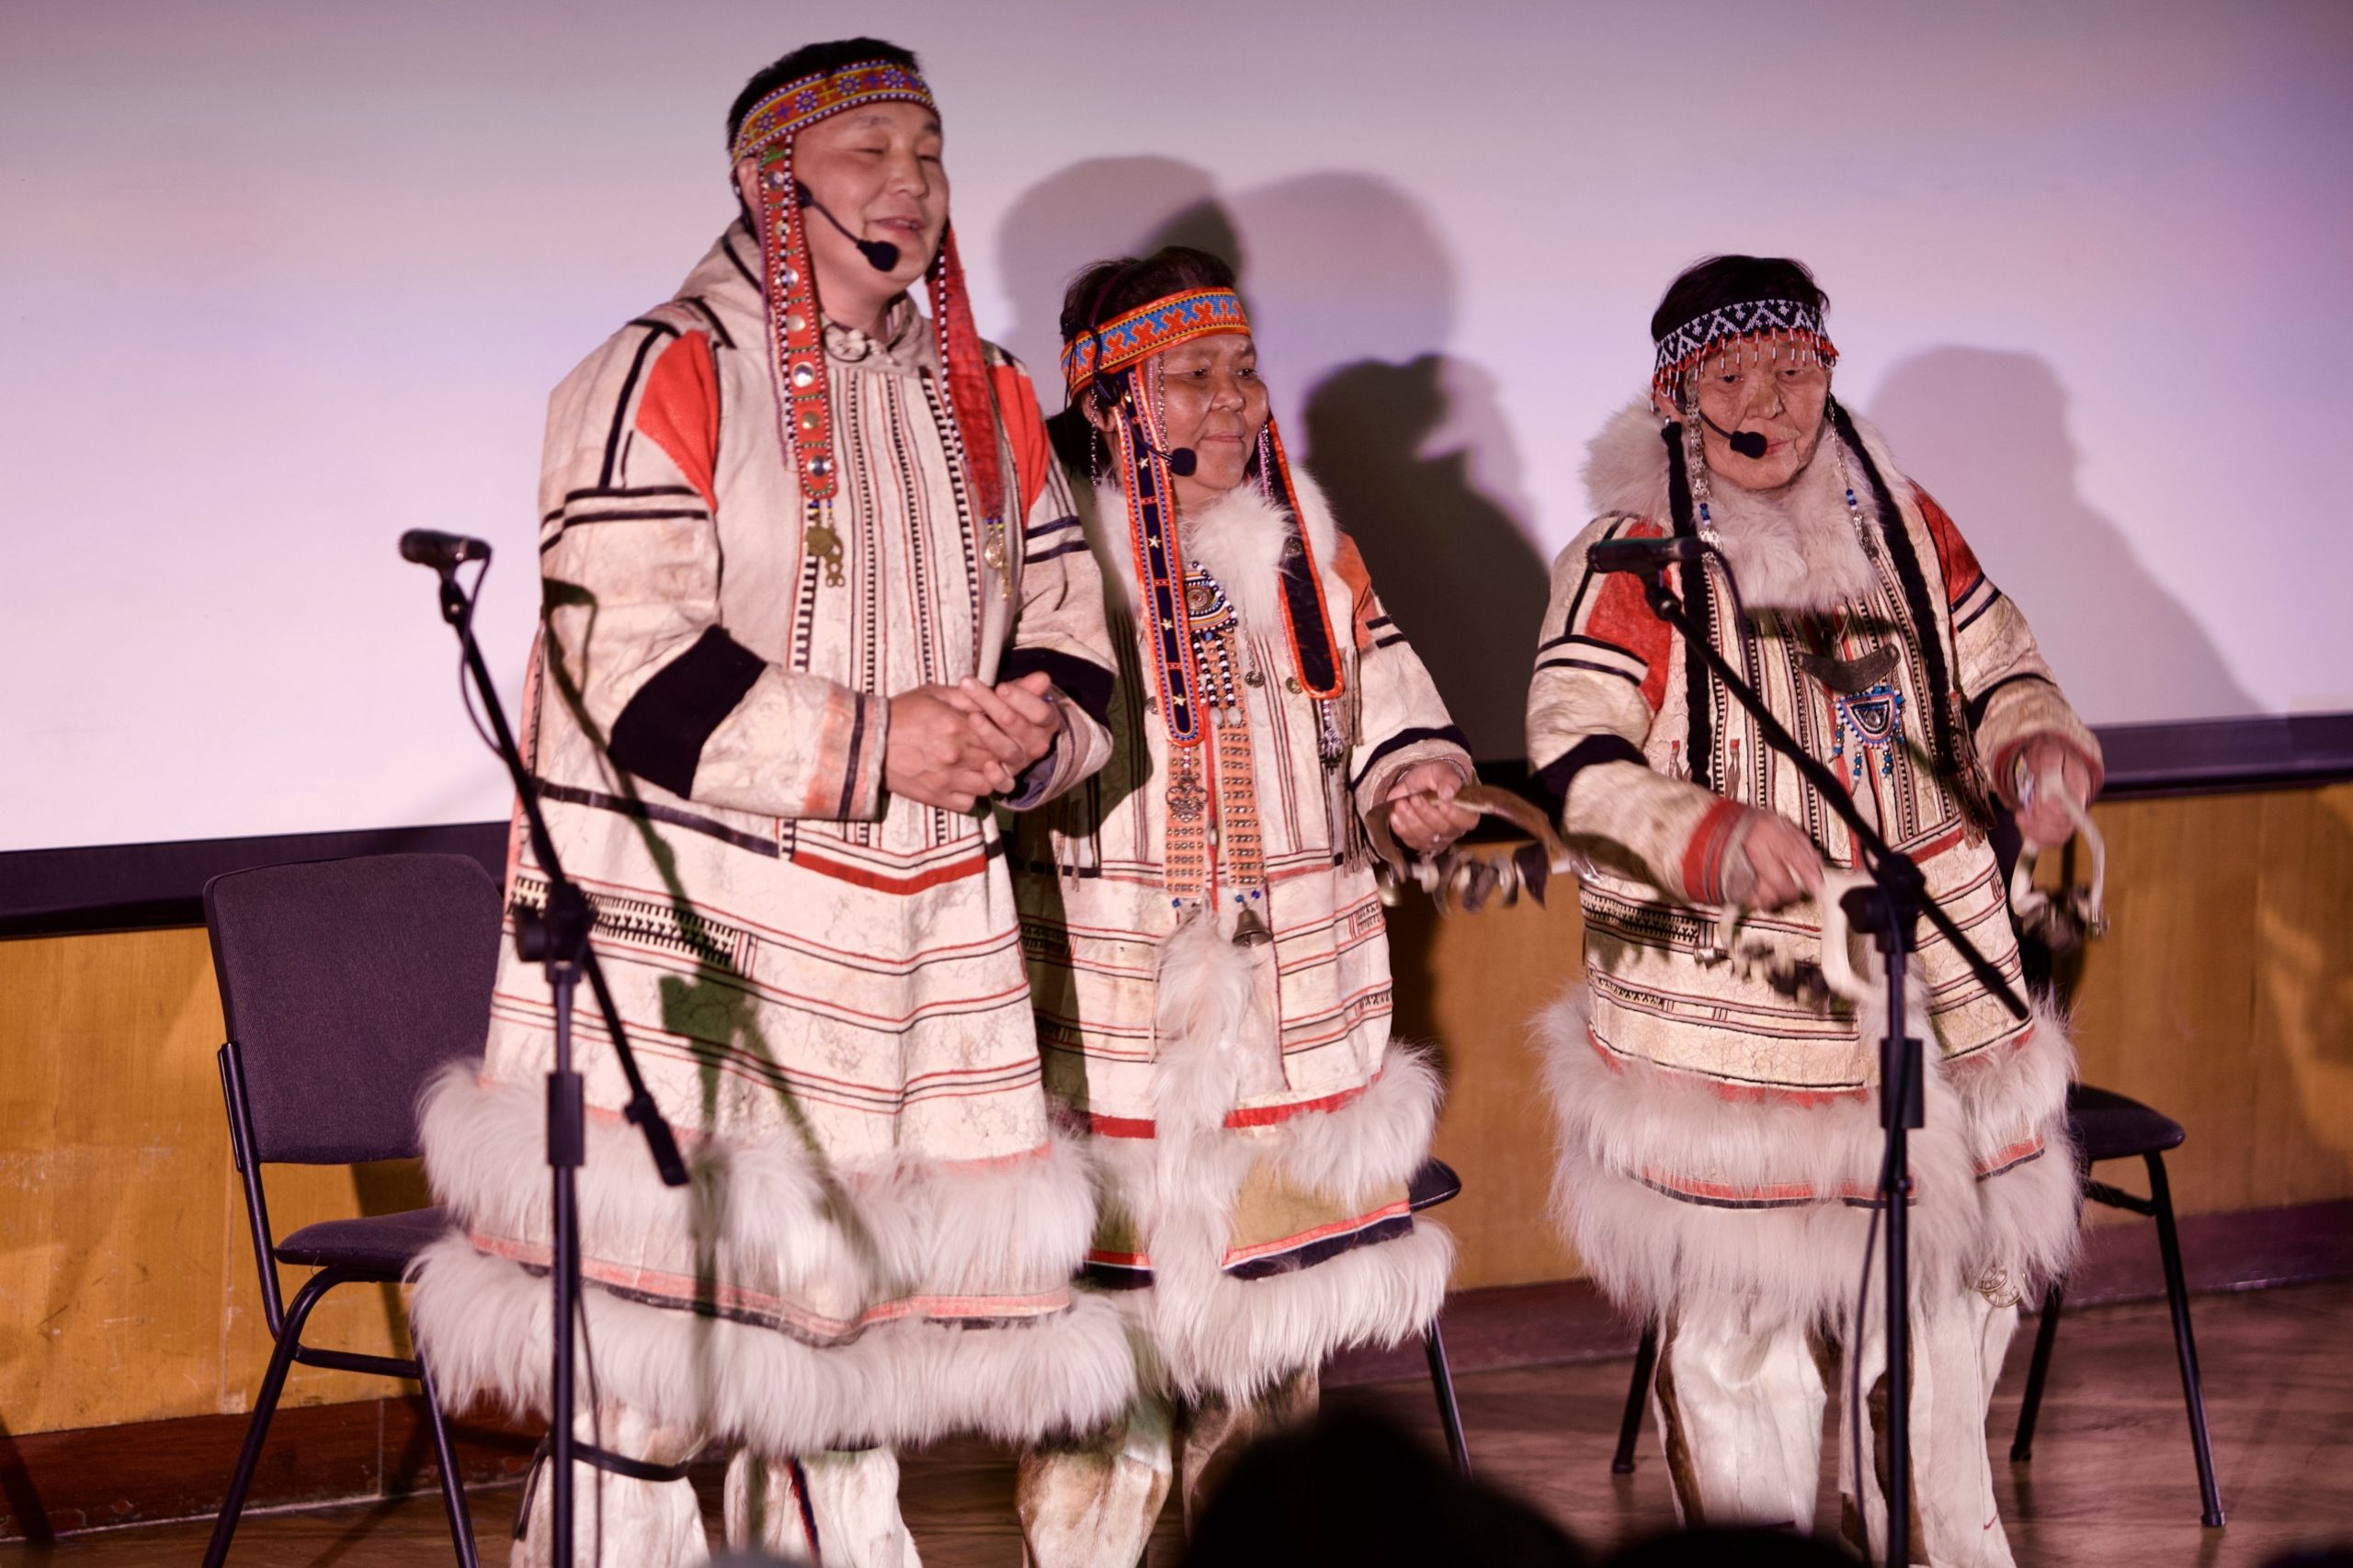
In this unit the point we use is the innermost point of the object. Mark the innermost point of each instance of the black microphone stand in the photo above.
(557, 938)
(1890, 910)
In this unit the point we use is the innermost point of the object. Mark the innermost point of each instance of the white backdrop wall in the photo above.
(279, 280)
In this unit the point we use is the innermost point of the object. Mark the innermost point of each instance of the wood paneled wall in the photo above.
(128, 1291)
(2223, 996)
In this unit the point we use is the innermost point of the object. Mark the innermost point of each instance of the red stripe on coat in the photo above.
(679, 412)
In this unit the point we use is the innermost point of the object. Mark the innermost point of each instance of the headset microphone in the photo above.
(1747, 443)
(880, 254)
(1113, 389)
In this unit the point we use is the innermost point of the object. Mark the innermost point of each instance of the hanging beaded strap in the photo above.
(799, 337)
(762, 152)
(1160, 580)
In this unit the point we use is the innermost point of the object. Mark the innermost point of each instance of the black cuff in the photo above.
(659, 736)
(1082, 680)
(1403, 739)
(1557, 774)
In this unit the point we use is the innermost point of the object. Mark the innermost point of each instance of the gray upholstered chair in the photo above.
(345, 984)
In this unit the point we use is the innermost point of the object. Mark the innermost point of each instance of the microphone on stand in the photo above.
(880, 254)
(443, 553)
(1643, 555)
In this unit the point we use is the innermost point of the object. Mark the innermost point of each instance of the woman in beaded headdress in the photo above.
(1720, 1137)
(793, 633)
(1205, 940)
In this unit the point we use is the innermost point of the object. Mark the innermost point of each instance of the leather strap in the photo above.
(596, 1458)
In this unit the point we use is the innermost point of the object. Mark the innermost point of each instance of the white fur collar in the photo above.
(1240, 539)
(1796, 550)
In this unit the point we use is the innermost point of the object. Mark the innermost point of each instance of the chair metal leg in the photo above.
(1638, 1394)
(453, 1484)
(273, 1383)
(2046, 1333)
(2210, 1497)
(1449, 1415)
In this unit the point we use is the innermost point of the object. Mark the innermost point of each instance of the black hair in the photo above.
(1944, 743)
(1104, 291)
(814, 60)
(1721, 280)
(1698, 693)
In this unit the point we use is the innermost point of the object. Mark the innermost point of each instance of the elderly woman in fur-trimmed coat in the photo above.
(1206, 946)
(1720, 1136)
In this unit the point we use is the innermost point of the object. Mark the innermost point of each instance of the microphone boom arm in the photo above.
(1893, 870)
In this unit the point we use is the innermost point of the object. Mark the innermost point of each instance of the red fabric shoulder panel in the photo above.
(1025, 428)
(679, 412)
(1622, 617)
(1960, 562)
(1349, 565)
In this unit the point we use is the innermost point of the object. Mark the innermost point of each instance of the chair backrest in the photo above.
(344, 984)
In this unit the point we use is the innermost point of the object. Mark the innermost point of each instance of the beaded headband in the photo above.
(764, 174)
(1141, 444)
(797, 106)
(1148, 330)
(1776, 321)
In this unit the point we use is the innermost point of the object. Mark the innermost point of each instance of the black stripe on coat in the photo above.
(1084, 682)
(1557, 774)
(1985, 699)
(659, 736)
(1403, 739)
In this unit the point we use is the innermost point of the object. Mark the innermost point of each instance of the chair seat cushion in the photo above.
(380, 1243)
(1432, 1185)
(2109, 1126)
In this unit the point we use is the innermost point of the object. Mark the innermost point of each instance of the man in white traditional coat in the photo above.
(806, 621)
(1205, 936)
(1720, 1131)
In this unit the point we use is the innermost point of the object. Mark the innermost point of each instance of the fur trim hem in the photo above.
(483, 1324)
(1375, 1141)
(1218, 1048)
(765, 1216)
(1774, 1195)
(1238, 1337)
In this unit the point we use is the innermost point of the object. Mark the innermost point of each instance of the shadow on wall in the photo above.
(1986, 432)
(1452, 567)
(1411, 446)
(1102, 207)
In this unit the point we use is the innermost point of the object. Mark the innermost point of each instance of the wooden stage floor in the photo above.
(2111, 1481)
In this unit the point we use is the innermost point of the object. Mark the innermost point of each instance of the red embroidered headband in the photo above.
(1130, 339)
(762, 152)
(1189, 714)
(797, 106)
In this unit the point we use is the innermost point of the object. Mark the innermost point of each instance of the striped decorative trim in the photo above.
(1766, 1195)
(1574, 650)
(1115, 1271)
(1148, 330)
(1703, 856)
(712, 1298)
(1981, 597)
(1235, 1120)
(2026, 1150)
(797, 106)
(1782, 320)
